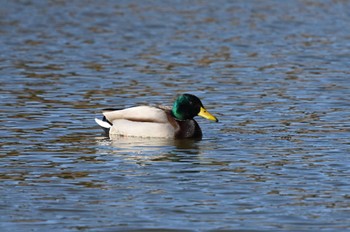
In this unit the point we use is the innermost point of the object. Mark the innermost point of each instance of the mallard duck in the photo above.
(162, 122)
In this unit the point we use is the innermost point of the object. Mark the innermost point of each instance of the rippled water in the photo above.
(276, 73)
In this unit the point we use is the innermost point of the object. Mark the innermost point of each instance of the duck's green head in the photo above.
(187, 106)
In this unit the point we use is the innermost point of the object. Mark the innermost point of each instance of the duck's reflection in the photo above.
(135, 143)
(152, 149)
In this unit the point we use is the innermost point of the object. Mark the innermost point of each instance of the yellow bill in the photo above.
(205, 114)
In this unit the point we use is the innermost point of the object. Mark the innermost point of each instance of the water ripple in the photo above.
(275, 73)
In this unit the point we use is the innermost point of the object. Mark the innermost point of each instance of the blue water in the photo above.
(275, 73)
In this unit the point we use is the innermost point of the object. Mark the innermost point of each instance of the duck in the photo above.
(174, 122)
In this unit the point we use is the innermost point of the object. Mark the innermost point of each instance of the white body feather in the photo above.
(142, 129)
(140, 121)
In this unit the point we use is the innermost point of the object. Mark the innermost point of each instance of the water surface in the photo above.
(275, 73)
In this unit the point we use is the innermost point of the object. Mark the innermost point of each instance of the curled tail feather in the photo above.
(104, 124)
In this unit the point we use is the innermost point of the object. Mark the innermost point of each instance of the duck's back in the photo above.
(138, 113)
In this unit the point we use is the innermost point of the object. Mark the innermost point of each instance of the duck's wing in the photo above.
(138, 114)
